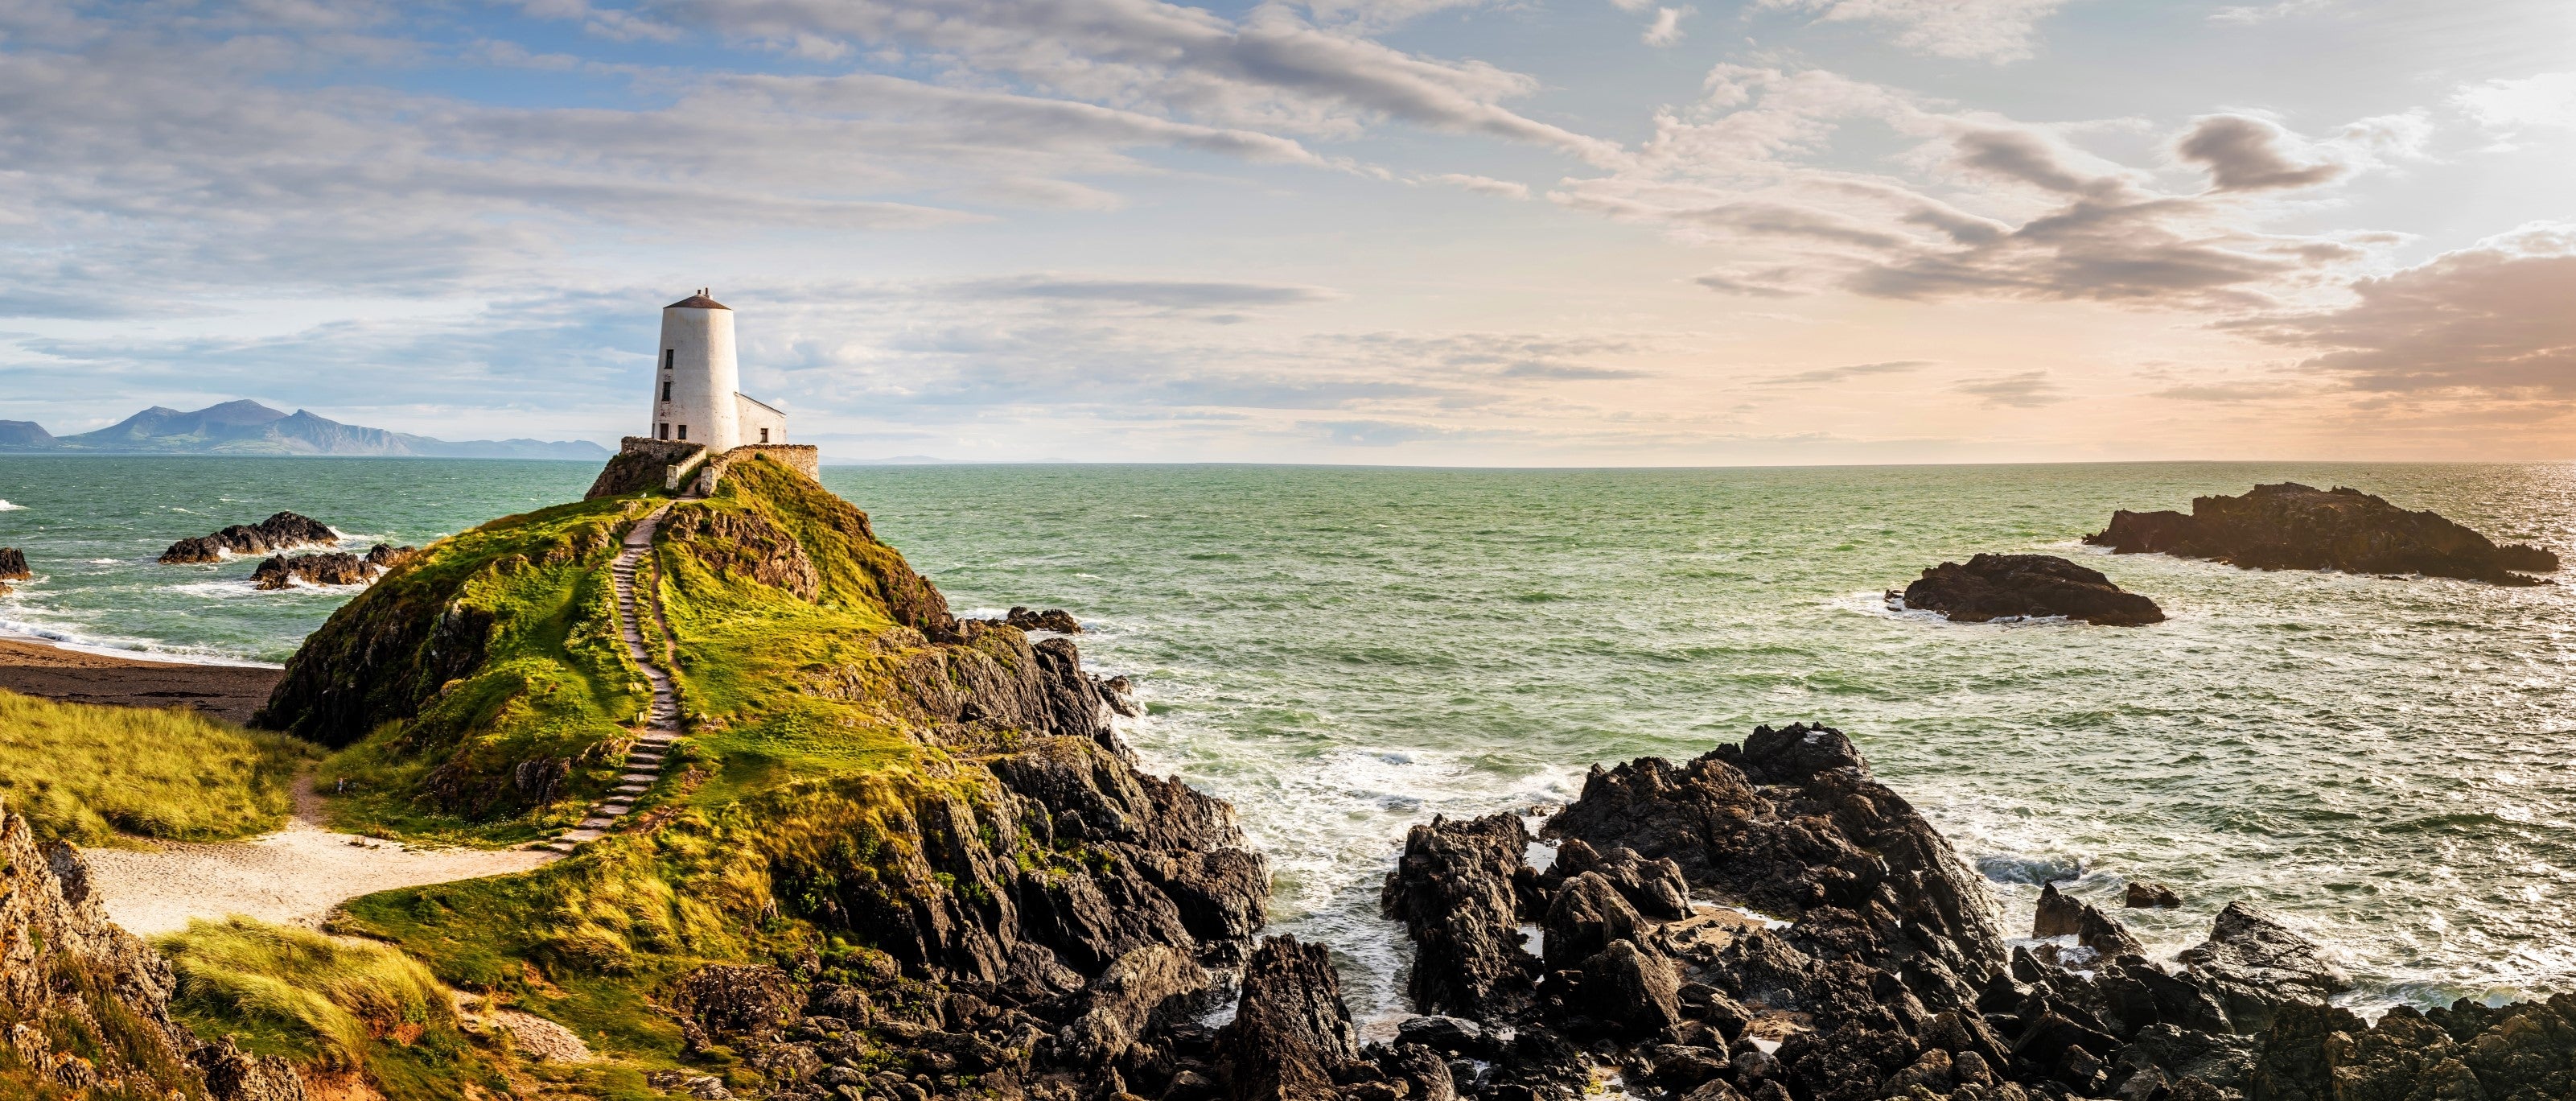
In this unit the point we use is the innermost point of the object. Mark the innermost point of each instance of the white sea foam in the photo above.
(137, 649)
(7, 507)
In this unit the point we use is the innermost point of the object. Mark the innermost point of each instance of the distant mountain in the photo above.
(249, 428)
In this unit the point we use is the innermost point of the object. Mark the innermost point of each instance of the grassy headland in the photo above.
(92, 775)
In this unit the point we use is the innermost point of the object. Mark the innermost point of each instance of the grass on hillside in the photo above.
(335, 1003)
(87, 773)
(554, 684)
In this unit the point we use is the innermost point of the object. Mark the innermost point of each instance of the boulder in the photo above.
(1655, 887)
(2289, 526)
(1454, 891)
(2255, 965)
(385, 556)
(2098, 932)
(280, 532)
(1291, 1035)
(2144, 895)
(1153, 984)
(13, 565)
(1053, 619)
(2027, 586)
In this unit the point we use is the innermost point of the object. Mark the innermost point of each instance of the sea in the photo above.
(1343, 652)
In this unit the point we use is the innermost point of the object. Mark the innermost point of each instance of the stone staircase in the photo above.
(645, 757)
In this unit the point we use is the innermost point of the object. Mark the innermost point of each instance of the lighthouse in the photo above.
(696, 381)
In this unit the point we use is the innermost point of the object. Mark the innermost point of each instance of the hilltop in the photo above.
(250, 428)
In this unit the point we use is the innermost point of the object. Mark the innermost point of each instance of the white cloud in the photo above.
(2246, 15)
(1482, 185)
(2490, 320)
(1666, 30)
(1976, 30)
(2506, 106)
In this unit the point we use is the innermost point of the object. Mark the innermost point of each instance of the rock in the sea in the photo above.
(329, 568)
(2256, 965)
(385, 556)
(1454, 891)
(2144, 895)
(1052, 619)
(1291, 1035)
(2029, 586)
(2295, 527)
(13, 565)
(2093, 930)
(279, 532)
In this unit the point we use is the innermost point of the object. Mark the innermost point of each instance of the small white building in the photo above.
(696, 379)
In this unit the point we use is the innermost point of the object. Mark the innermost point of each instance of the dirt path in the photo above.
(293, 877)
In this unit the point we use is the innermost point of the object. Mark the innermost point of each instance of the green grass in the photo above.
(331, 1002)
(92, 775)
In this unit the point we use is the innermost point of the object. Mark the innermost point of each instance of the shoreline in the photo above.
(50, 669)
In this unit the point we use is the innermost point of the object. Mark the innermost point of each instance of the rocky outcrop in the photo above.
(2026, 586)
(330, 568)
(2295, 527)
(85, 1006)
(1457, 891)
(2255, 966)
(385, 556)
(741, 545)
(2143, 895)
(13, 565)
(284, 531)
(1053, 619)
(2318, 1053)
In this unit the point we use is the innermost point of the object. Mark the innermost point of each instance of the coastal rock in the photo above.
(2289, 526)
(1157, 984)
(1053, 619)
(1291, 1036)
(1454, 891)
(384, 556)
(331, 568)
(2027, 586)
(2093, 930)
(2143, 895)
(13, 565)
(727, 998)
(2321, 1053)
(279, 532)
(88, 1004)
(1655, 887)
(2255, 966)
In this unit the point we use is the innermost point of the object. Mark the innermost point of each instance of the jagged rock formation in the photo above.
(1892, 979)
(279, 532)
(2294, 527)
(13, 565)
(2142, 895)
(85, 1006)
(2028, 586)
(329, 568)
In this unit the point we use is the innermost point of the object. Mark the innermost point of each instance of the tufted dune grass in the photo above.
(344, 1006)
(98, 775)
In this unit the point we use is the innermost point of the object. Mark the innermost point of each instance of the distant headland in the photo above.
(249, 428)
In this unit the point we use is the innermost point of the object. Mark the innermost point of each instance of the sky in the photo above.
(1451, 232)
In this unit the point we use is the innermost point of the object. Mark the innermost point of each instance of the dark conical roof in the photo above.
(697, 302)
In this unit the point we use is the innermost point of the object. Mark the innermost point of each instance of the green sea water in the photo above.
(1343, 652)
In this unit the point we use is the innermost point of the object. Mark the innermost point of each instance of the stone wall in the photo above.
(804, 459)
(641, 463)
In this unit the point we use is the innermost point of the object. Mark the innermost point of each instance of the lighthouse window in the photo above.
(662, 431)
(764, 435)
(684, 431)
(666, 391)
(668, 354)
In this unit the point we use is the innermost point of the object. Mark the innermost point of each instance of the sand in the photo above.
(35, 667)
(295, 876)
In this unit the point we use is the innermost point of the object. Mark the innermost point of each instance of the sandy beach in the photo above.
(38, 668)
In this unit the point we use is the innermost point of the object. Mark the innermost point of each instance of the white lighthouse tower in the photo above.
(696, 380)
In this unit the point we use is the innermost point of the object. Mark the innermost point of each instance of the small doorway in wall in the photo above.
(662, 431)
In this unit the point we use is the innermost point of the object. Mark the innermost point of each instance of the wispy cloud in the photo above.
(1976, 30)
(1826, 375)
(2019, 389)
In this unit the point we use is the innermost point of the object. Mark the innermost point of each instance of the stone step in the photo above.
(634, 788)
(596, 823)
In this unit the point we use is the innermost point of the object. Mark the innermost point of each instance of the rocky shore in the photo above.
(279, 532)
(2289, 526)
(1765, 922)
